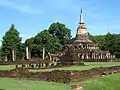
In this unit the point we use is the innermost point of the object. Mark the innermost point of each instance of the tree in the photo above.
(52, 40)
(36, 50)
(99, 39)
(29, 41)
(45, 40)
(60, 31)
(116, 45)
(109, 42)
(112, 43)
(11, 41)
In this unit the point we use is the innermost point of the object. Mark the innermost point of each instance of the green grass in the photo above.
(15, 84)
(88, 65)
(7, 67)
(111, 82)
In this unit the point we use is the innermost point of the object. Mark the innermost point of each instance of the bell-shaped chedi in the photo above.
(82, 34)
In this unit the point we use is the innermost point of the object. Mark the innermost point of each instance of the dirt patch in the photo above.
(61, 76)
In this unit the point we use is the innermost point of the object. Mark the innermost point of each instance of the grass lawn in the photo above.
(111, 82)
(88, 65)
(16, 84)
(7, 67)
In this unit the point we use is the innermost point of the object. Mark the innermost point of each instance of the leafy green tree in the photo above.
(29, 41)
(45, 40)
(60, 31)
(109, 42)
(36, 50)
(93, 38)
(116, 45)
(99, 39)
(21, 50)
(112, 43)
(10, 41)
(52, 40)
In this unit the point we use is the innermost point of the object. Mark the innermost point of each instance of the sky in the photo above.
(33, 16)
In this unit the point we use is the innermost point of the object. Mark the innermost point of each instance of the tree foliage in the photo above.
(10, 41)
(98, 39)
(53, 40)
(112, 43)
(109, 42)
(43, 40)
(60, 31)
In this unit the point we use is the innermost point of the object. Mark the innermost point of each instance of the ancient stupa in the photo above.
(83, 49)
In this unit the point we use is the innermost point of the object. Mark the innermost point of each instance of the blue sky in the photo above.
(32, 16)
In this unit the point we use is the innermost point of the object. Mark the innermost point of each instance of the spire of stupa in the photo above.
(81, 18)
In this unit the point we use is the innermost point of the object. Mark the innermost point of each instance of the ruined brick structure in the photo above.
(83, 49)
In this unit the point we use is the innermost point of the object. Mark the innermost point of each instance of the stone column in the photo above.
(13, 55)
(107, 55)
(113, 56)
(43, 54)
(82, 56)
(110, 56)
(96, 56)
(101, 56)
(87, 56)
(81, 46)
(27, 53)
(87, 46)
(92, 55)
(50, 56)
(6, 59)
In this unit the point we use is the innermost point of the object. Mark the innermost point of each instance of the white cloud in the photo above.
(24, 8)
